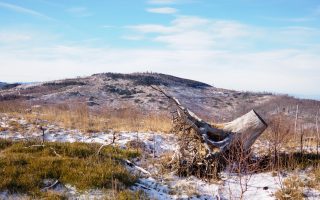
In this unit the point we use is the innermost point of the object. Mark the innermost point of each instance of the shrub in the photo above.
(292, 189)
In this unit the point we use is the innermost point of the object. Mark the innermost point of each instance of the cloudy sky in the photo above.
(254, 45)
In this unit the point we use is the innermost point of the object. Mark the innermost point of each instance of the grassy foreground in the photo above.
(25, 167)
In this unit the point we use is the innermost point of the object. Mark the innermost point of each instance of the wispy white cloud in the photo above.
(24, 10)
(133, 37)
(295, 19)
(153, 28)
(79, 11)
(171, 2)
(20, 39)
(219, 52)
(6, 37)
(187, 40)
(162, 10)
(162, 1)
(291, 71)
(190, 21)
(189, 32)
(107, 26)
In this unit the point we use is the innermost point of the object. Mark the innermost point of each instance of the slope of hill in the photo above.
(121, 90)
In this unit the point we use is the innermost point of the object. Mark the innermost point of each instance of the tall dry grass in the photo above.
(76, 115)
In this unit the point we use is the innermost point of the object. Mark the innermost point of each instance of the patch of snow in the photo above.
(311, 193)
(173, 187)
(22, 121)
(258, 186)
(163, 142)
(4, 125)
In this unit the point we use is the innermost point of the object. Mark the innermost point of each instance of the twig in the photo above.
(36, 145)
(101, 147)
(54, 151)
(129, 163)
(42, 145)
(50, 186)
(104, 145)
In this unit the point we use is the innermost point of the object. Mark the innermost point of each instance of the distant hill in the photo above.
(5, 86)
(2, 84)
(114, 90)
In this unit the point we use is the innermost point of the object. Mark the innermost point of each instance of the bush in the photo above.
(292, 189)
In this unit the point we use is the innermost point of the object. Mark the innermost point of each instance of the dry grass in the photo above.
(79, 116)
(25, 167)
(292, 189)
(129, 195)
(314, 178)
(12, 107)
(317, 174)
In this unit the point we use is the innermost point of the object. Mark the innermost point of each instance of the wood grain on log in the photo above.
(246, 128)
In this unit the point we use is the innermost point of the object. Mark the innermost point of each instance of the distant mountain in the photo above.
(5, 86)
(2, 84)
(117, 91)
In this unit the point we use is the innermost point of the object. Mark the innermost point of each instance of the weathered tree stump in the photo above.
(201, 144)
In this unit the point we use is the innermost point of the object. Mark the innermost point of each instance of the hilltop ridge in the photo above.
(115, 90)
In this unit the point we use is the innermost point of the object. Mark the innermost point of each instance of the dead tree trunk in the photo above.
(195, 134)
(246, 128)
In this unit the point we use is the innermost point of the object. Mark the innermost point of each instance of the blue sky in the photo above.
(254, 45)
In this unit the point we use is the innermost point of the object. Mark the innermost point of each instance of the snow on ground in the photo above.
(260, 186)
(163, 142)
(256, 186)
(6, 195)
(173, 187)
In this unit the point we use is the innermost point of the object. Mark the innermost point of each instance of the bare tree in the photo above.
(240, 163)
(279, 129)
(317, 127)
(295, 121)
